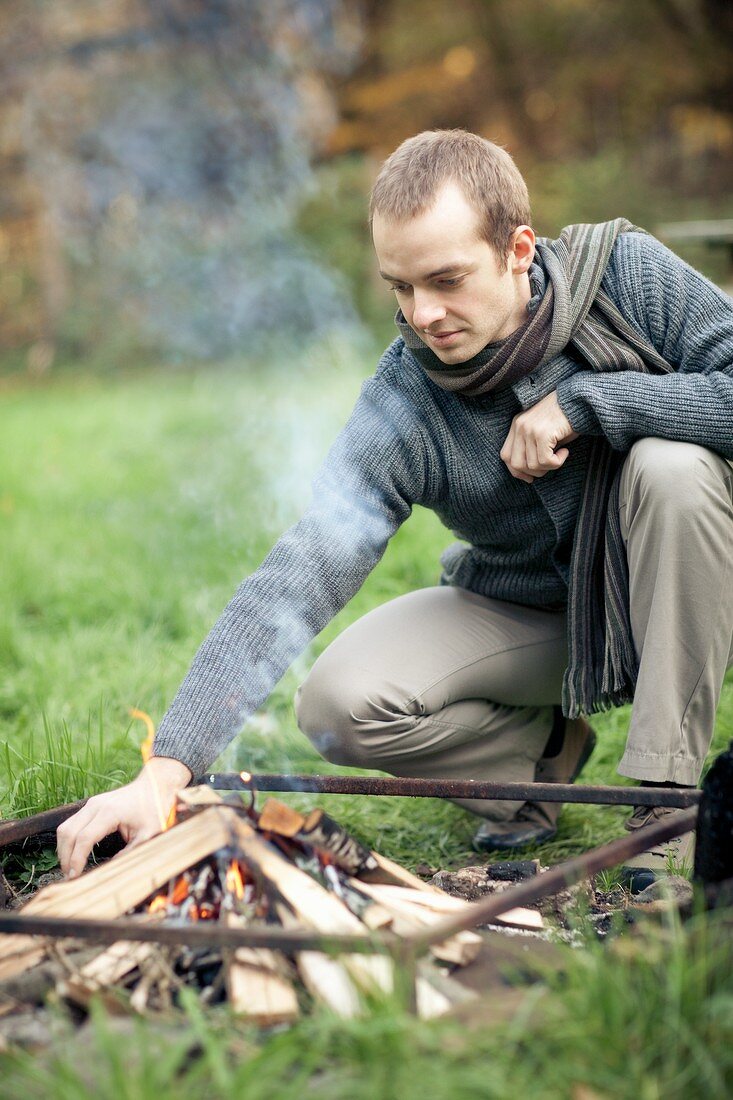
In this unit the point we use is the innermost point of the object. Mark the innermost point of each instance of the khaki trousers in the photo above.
(445, 683)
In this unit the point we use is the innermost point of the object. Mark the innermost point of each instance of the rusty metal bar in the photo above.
(675, 797)
(678, 798)
(560, 877)
(201, 934)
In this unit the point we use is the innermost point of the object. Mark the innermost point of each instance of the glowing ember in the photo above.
(246, 777)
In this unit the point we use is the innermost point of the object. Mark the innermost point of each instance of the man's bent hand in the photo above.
(529, 450)
(137, 811)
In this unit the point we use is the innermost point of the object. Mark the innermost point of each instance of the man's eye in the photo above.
(400, 288)
(452, 282)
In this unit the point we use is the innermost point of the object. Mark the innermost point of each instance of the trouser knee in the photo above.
(329, 715)
(677, 480)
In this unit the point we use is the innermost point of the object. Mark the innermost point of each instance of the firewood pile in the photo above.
(223, 865)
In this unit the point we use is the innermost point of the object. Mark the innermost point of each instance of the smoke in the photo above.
(172, 158)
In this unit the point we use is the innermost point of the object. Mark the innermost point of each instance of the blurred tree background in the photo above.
(186, 180)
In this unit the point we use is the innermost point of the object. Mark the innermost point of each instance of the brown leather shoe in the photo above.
(536, 822)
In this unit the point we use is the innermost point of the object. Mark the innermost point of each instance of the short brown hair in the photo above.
(411, 177)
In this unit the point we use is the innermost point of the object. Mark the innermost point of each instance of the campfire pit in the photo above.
(259, 906)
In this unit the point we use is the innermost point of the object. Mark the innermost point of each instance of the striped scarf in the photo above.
(575, 312)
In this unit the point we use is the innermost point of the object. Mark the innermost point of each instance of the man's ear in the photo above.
(521, 252)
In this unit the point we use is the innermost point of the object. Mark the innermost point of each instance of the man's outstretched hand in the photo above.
(529, 450)
(137, 811)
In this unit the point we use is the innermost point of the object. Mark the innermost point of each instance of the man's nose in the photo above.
(427, 310)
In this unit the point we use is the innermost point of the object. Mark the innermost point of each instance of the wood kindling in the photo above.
(298, 885)
(258, 983)
(115, 887)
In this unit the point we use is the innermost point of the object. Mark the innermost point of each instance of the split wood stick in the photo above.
(454, 992)
(257, 986)
(199, 796)
(442, 903)
(326, 979)
(314, 905)
(319, 831)
(118, 960)
(104, 971)
(392, 873)
(409, 918)
(116, 886)
(258, 990)
(276, 817)
(321, 910)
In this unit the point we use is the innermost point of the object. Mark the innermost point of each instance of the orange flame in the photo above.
(246, 777)
(172, 817)
(233, 881)
(180, 891)
(146, 749)
(159, 904)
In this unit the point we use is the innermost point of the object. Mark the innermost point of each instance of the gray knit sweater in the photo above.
(410, 442)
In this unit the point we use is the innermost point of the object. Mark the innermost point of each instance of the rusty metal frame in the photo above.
(674, 797)
(11, 832)
(405, 950)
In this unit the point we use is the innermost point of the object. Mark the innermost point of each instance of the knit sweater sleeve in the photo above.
(362, 493)
(690, 322)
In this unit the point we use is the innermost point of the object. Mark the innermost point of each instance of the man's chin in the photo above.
(454, 357)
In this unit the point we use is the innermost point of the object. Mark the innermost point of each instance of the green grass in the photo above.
(649, 1016)
(130, 508)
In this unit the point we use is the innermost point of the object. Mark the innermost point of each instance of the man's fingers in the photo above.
(77, 836)
(84, 841)
(529, 448)
(66, 834)
(139, 837)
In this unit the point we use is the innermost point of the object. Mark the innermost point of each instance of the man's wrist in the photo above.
(168, 771)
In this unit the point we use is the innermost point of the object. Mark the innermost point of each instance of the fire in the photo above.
(159, 904)
(246, 777)
(180, 891)
(146, 749)
(233, 881)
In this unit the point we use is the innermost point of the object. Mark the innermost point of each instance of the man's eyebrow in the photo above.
(450, 270)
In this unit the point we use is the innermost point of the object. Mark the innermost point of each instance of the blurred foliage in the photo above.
(180, 180)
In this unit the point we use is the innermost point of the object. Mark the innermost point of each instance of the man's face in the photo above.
(452, 288)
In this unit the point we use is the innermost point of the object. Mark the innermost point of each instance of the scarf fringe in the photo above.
(581, 697)
(592, 688)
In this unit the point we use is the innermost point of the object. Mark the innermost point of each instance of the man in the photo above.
(566, 408)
